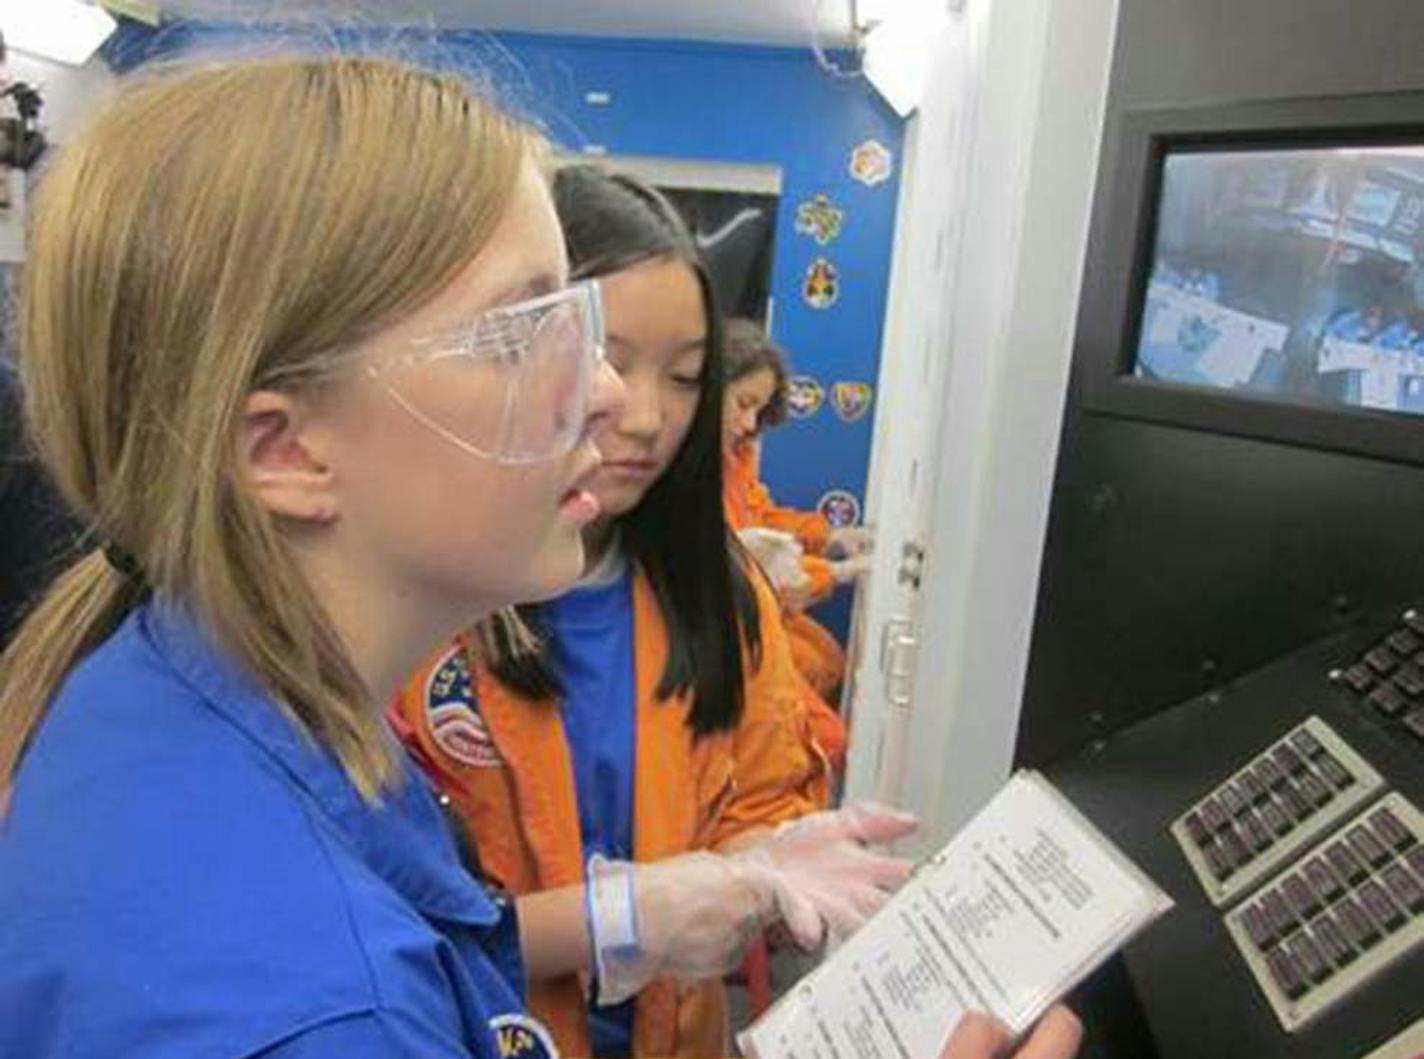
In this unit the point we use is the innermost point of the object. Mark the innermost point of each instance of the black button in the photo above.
(1278, 912)
(1414, 721)
(1403, 642)
(1317, 968)
(1314, 789)
(1390, 829)
(1251, 786)
(1385, 912)
(1403, 887)
(1335, 773)
(1357, 926)
(1365, 846)
(1275, 819)
(1288, 759)
(1295, 802)
(1410, 681)
(1387, 699)
(1256, 834)
(1196, 830)
(1415, 859)
(1345, 863)
(1217, 861)
(1303, 901)
(1332, 939)
(1322, 879)
(1257, 926)
(1359, 678)
(1381, 660)
(1230, 797)
(1269, 773)
(1235, 848)
(1212, 814)
(1288, 976)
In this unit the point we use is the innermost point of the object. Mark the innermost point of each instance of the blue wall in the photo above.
(767, 106)
(727, 103)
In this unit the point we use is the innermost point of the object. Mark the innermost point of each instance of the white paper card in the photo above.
(1021, 905)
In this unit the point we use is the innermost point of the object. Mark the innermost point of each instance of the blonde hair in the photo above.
(214, 229)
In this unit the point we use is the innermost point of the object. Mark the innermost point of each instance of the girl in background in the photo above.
(757, 374)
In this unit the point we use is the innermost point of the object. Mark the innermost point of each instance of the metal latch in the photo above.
(912, 564)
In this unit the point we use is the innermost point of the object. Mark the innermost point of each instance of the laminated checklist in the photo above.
(1018, 908)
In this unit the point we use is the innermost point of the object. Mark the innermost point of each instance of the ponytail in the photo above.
(80, 610)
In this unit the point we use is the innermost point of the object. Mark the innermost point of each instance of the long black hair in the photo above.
(678, 532)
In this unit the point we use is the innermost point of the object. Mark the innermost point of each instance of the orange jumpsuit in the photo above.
(819, 656)
(504, 761)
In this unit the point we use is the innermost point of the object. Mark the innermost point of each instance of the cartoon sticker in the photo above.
(819, 218)
(871, 163)
(823, 284)
(839, 508)
(804, 396)
(522, 1037)
(450, 713)
(851, 400)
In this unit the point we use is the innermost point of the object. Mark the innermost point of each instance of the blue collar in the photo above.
(404, 839)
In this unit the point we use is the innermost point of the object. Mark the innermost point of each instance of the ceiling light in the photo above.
(65, 31)
(899, 46)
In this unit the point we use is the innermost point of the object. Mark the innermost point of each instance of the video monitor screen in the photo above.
(1293, 274)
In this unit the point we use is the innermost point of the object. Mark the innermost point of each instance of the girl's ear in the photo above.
(277, 454)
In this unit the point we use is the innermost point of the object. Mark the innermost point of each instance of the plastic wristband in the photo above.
(612, 913)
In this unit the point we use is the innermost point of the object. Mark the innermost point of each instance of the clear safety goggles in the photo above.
(534, 364)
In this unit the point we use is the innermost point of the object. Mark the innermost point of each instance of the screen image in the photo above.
(1292, 273)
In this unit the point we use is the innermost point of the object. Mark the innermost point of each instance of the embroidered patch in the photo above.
(851, 400)
(823, 284)
(839, 508)
(819, 218)
(455, 724)
(804, 396)
(871, 163)
(523, 1037)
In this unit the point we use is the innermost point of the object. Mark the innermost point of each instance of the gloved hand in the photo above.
(692, 916)
(826, 880)
(847, 570)
(689, 917)
(778, 554)
(850, 540)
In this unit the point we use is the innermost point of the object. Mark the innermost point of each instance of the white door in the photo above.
(914, 361)
(990, 241)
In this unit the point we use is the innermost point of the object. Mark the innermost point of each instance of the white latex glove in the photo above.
(850, 540)
(692, 916)
(826, 881)
(688, 917)
(847, 570)
(778, 554)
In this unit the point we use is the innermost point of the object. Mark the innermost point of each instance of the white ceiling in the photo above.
(781, 22)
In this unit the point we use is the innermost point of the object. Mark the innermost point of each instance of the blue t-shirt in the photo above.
(591, 636)
(183, 874)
